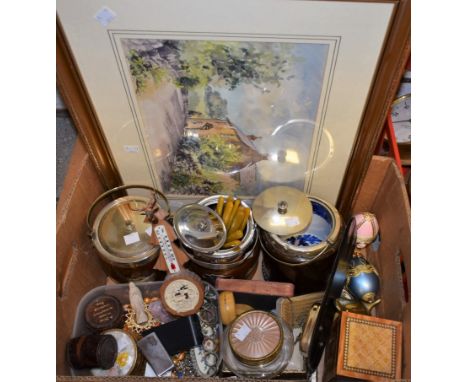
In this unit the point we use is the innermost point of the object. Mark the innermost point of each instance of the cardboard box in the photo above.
(78, 269)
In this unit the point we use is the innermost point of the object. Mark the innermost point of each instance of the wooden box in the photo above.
(368, 348)
(78, 268)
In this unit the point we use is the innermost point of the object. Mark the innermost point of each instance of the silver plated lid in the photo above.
(120, 232)
(200, 228)
(282, 210)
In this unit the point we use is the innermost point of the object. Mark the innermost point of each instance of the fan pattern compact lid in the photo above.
(256, 337)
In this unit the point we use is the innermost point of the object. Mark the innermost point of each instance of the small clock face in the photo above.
(182, 296)
(401, 118)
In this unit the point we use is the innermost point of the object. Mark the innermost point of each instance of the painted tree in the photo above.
(232, 63)
(190, 64)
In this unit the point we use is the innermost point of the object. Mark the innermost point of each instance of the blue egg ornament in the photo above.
(362, 280)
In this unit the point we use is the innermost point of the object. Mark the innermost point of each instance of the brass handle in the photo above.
(120, 188)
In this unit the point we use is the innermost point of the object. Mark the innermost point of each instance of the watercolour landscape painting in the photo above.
(230, 117)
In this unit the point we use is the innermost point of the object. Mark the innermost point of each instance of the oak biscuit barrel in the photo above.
(239, 262)
(304, 259)
(121, 235)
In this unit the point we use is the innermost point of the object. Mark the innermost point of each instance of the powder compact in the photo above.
(256, 337)
(257, 345)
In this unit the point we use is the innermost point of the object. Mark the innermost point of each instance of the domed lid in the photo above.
(282, 210)
(120, 233)
(199, 228)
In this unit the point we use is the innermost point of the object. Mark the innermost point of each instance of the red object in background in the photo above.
(389, 132)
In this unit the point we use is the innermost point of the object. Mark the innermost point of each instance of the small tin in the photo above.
(94, 350)
(129, 360)
(104, 312)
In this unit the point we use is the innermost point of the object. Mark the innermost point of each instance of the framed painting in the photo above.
(208, 97)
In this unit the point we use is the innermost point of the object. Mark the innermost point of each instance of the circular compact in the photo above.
(256, 337)
(257, 345)
(104, 312)
(129, 361)
(182, 295)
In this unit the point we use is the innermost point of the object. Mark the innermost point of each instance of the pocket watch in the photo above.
(401, 118)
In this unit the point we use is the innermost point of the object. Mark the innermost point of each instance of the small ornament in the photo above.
(348, 303)
(159, 313)
(208, 313)
(138, 317)
(207, 331)
(227, 307)
(137, 303)
(133, 326)
(204, 363)
(367, 229)
(362, 280)
(209, 345)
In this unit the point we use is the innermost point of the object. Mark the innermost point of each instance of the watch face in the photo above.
(401, 118)
(183, 296)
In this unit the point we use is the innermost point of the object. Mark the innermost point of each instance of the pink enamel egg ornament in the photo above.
(367, 229)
